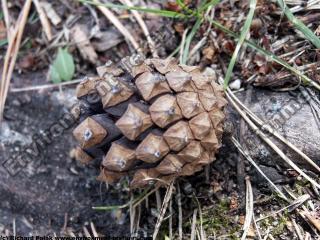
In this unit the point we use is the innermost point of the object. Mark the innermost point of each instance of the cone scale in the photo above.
(153, 122)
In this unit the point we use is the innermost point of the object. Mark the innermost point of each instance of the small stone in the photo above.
(235, 85)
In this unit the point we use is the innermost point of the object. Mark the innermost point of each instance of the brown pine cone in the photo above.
(155, 120)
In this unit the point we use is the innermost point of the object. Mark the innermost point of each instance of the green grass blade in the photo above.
(305, 79)
(243, 35)
(189, 39)
(163, 13)
(299, 24)
(205, 6)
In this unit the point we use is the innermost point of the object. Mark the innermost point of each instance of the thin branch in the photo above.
(166, 200)
(115, 21)
(144, 28)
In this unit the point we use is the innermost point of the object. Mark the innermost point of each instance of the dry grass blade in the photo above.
(46, 86)
(193, 226)
(144, 28)
(271, 144)
(243, 35)
(115, 21)
(179, 212)
(272, 131)
(183, 42)
(249, 209)
(297, 229)
(202, 233)
(248, 157)
(299, 24)
(166, 200)
(43, 19)
(93, 229)
(292, 206)
(6, 17)
(11, 55)
(306, 80)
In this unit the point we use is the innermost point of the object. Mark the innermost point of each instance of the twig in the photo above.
(11, 55)
(248, 157)
(265, 138)
(297, 229)
(193, 226)
(256, 226)
(272, 131)
(43, 19)
(166, 200)
(183, 40)
(93, 229)
(179, 212)
(46, 86)
(170, 220)
(6, 17)
(144, 28)
(249, 209)
(292, 206)
(115, 21)
(202, 234)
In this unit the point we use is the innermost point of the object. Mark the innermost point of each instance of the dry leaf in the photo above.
(51, 13)
(80, 37)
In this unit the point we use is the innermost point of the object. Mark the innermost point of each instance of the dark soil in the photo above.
(54, 191)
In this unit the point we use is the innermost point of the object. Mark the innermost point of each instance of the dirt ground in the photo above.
(54, 192)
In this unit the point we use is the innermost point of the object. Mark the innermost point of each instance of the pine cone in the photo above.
(153, 121)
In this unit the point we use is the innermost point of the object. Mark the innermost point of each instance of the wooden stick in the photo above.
(6, 17)
(115, 21)
(11, 54)
(144, 28)
(44, 20)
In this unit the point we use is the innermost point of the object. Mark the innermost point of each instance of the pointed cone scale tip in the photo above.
(189, 104)
(119, 158)
(210, 142)
(151, 85)
(171, 164)
(163, 66)
(165, 181)
(180, 81)
(178, 136)
(133, 122)
(201, 81)
(112, 91)
(208, 99)
(205, 159)
(89, 133)
(109, 176)
(200, 125)
(143, 178)
(191, 152)
(81, 156)
(216, 116)
(189, 169)
(152, 148)
(86, 87)
(165, 110)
